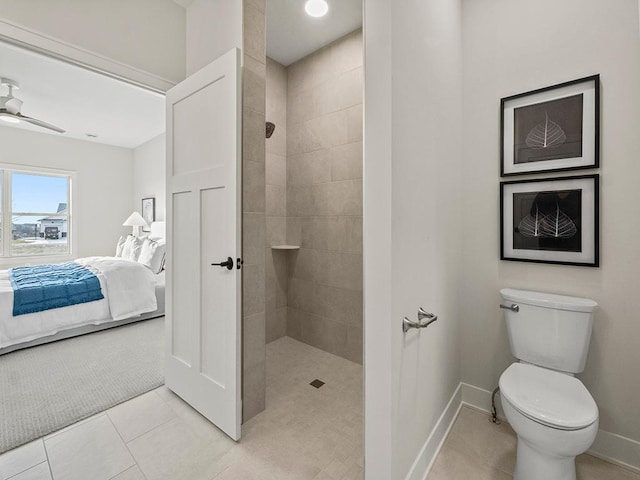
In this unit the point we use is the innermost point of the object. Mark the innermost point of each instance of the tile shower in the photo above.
(313, 177)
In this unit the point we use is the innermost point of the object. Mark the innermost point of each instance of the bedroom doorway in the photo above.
(95, 353)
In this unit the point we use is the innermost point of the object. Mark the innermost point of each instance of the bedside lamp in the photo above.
(136, 221)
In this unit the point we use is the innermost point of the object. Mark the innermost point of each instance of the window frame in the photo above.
(6, 258)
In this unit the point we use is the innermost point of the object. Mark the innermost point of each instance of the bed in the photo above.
(131, 291)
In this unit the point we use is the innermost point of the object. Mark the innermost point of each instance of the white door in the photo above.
(203, 358)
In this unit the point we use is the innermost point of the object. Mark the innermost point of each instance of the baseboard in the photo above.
(429, 451)
(617, 449)
(607, 446)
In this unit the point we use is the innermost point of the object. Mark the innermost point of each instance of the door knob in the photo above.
(228, 263)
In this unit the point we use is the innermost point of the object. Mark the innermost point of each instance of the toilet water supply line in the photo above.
(494, 412)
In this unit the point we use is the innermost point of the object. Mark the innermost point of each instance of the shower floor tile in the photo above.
(476, 448)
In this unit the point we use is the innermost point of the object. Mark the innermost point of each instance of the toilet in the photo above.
(551, 411)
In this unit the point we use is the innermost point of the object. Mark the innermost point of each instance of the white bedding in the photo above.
(128, 289)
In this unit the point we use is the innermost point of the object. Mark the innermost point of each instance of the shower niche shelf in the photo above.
(285, 247)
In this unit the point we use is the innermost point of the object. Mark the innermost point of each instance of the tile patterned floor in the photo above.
(305, 433)
(478, 449)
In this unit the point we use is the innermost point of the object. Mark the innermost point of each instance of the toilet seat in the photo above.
(551, 398)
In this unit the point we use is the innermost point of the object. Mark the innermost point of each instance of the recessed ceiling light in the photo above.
(316, 8)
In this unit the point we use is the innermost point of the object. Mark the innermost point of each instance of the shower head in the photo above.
(270, 128)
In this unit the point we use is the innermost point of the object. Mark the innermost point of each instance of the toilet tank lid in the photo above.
(548, 300)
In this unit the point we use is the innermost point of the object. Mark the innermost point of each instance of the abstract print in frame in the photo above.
(552, 220)
(551, 129)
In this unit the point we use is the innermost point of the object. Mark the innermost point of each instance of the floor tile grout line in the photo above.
(46, 453)
(135, 462)
(29, 468)
(175, 415)
(132, 466)
(72, 426)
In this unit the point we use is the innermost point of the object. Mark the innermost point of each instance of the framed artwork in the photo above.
(148, 212)
(552, 220)
(551, 129)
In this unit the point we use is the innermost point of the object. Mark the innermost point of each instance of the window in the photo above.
(34, 213)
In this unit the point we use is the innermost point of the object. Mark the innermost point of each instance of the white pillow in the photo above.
(152, 255)
(120, 246)
(131, 248)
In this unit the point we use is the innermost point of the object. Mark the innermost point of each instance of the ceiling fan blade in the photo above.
(39, 123)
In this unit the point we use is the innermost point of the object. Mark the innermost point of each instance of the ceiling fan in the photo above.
(10, 108)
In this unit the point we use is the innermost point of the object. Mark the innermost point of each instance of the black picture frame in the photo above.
(551, 220)
(148, 212)
(551, 129)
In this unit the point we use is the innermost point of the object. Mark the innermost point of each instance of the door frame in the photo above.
(43, 44)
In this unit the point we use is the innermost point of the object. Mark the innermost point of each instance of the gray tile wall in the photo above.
(253, 209)
(324, 198)
(276, 202)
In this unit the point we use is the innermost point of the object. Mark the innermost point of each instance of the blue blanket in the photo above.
(43, 287)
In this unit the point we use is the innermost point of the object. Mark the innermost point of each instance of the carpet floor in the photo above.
(46, 388)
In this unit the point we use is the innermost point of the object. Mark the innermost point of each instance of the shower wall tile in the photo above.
(309, 168)
(257, 4)
(348, 54)
(294, 317)
(277, 325)
(254, 27)
(276, 169)
(324, 198)
(346, 161)
(345, 197)
(254, 85)
(345, 234)
(354, 343)
(253, 228)
(253, 148)
(278, 142)
(253, 205)
(294, 227)
(276, 231)
(276, 202)
(255, 345)
(253, 390)
(354, 123)
(253, 187)
(277, 93)
(254, 295)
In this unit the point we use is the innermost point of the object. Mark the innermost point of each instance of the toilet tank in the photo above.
(548, 330)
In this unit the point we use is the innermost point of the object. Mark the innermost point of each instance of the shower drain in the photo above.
(317, 383)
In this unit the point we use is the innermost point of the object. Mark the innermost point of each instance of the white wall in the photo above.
(512, 47)
(213, 28)
(149, 174)
(146, 34)
(412, 189)
(104, 182)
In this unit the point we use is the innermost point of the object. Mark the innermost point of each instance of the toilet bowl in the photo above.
(554, 417)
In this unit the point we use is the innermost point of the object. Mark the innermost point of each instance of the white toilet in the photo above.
(550, 410)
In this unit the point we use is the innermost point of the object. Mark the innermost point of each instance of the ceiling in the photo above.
(292, 34)
(81, 101)
(84, 102)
